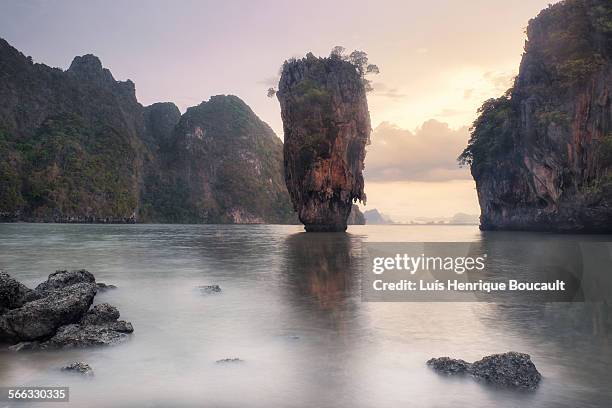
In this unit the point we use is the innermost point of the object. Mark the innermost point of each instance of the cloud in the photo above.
(446, 112)
(382, 90)
(427, 154)
(500, 81)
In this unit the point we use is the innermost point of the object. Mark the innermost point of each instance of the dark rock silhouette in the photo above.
(13, 294)
(509, 369)
(57, 314)
(327, 126)
(41, 318)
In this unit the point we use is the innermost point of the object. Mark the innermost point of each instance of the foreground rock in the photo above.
(100, 314)
(12, 293)
(41, 318)
(78, 336)
(449, 365)
(60, 316)
(63, 279)
(327, 126)
(80, 368)
(509, 369)
(541, 155)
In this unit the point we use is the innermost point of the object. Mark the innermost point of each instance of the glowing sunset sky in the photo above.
(439, 60)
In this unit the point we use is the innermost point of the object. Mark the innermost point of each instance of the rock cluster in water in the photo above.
(79, 367)
(57, 313)
(541, 155)
(509, 369)
(208, 289)
(327, 126)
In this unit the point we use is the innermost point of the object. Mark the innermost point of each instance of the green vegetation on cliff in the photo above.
(76, 146)
(225, 166)
(541, 155)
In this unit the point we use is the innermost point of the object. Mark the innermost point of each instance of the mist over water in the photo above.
(291, 308)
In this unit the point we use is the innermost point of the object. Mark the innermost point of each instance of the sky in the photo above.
(439, 60)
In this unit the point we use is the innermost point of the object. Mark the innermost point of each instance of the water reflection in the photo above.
(323, 268)
(291, 308)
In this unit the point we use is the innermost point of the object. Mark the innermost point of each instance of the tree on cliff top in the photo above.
(359, 59)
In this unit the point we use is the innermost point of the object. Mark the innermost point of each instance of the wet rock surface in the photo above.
(449, 365)
(59, 315)
(79, 367)
(327, 126)
(12, 293)
(41, 318)
(100, 314)
(229, 360)
(78, 336)
(102, 287)
(62, 279)
(511, 369)
(210, 289)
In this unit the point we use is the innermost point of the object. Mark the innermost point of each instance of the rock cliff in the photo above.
(356, 217)
(541, 155)
(224, 165)
(76, 146)
(327, 126)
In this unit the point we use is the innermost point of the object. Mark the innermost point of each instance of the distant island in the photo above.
(457, 219)
(373, 217)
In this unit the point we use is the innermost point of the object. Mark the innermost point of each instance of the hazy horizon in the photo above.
(439, 61)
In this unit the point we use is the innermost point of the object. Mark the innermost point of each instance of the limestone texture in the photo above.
(541, 154)
(326, 125)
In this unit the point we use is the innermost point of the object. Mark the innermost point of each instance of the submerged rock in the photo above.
(229, 360)
(78, 336)
(210, 288)
(41, 318)
(449, 365)
(80, 368)
(509, 369)
(25, 345)
(327, 126)
(102, 287)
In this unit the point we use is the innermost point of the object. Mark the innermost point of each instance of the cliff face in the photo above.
(69, 141)
(327, 126)
(76, 146)
(541, 154)
(224, 166)
(356, 217)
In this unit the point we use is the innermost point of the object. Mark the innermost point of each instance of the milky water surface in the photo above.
(291, 309)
